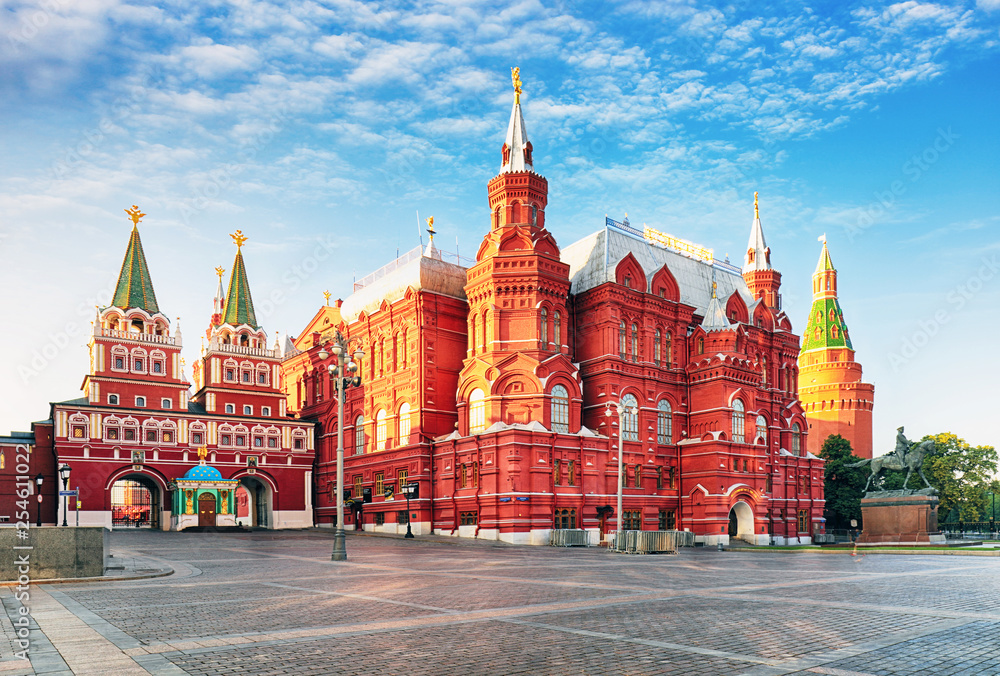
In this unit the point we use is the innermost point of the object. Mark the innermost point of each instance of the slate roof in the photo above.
(593, 259)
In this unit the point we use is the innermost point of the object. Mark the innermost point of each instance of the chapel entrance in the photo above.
(253, 502)
(206, 510)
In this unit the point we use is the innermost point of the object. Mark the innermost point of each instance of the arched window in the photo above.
(668, 349)
(380, 430)
(621, 340)
(796, 439)
(560, 409)
(701, 346)
(404, 424)
(487, 330)
(656, 348)
(635, 342)
(544, 333)
(630, 418)
(482, 334)
(395, 352)
(477, 411)
(359, 435)
(763, 369)
(762, 429)
(739, 420)
(473, 338)
(402, 349)
(664, 419)
(557, 330)
(263, 375)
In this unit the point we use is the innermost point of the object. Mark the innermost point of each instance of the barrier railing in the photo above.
(568, 537)
(651, 541)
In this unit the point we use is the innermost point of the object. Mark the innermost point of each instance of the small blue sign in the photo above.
(62, 493)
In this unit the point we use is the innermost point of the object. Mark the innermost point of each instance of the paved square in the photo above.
(273, 603)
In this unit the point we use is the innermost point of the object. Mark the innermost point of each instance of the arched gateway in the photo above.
(741, 522)
(135, 502)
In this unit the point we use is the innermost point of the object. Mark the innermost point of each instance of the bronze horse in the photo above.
(914, 460)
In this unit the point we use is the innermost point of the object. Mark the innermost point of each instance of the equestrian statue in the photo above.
(908, 455)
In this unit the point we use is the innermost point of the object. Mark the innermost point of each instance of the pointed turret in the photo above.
(762, 280)
(516, 147)
(830, 388)
(219, 302)
(135, 288)
(758, 256)
(715, 314)
(239, 304)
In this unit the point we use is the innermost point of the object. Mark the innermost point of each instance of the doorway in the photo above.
(206, 510)
(256, 511)
(135, 502)
(741, 522)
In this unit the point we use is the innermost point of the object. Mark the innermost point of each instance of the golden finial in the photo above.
(714, 287)
(430, 228)
(220, 271)
(515, 76)
(203, 452)
(756, 210)
(135, 215)
(238, 238)
(327, 294)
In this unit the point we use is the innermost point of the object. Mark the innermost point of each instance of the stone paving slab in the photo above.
(273, 603)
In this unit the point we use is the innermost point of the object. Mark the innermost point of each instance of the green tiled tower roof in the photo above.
(826, 327)
(826, 316)
(135, 288)
(239, 303)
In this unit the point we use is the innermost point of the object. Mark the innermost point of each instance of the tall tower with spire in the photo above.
(134, 361)
(517, 293)
(763, 280)
(238, 373)
(830, 388)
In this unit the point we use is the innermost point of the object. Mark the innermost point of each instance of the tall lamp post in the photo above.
(64, 475)
(38, 483)
(622, 411)
(344, 365)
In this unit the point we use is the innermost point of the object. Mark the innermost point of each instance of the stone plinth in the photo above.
(52, 552)
(900, 517)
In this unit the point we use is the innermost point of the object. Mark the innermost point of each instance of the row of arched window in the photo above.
(543, 333)
(628, 344)
(382, 437)
(630, 420)
(138, 360)
(739, 432)
(388, 355)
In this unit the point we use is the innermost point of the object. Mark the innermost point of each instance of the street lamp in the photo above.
(64, 474)
(344, 365)
(38, 483)
(622, 411)
(410, 490)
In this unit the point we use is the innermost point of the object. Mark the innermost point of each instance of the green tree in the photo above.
(843, 486)
(962, 475)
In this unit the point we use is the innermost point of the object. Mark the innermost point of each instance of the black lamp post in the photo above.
(342, 381)
(38, 483)
(64, 474)
(409, 491)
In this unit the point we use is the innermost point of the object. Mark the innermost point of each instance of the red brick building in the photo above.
(135, 435)
(490, 386)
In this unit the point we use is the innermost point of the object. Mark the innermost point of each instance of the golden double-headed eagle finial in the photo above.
(327, 294)
(756, 210)
(220, 271)
(203, 452)
(238, 238)
(430, 228)
(135, 215)
(515, 76)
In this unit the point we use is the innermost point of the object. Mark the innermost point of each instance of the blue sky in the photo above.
(321, 129)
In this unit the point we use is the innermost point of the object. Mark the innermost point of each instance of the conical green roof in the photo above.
(135, 288)
(826, 327)
(239, 303)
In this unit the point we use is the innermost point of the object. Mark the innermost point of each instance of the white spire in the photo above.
(715, 314)
(758, 256)
(517, 148)
(218, 303)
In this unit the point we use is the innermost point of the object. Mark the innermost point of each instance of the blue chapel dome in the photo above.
(203, 473)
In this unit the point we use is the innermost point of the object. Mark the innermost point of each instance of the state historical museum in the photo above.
(494, 387)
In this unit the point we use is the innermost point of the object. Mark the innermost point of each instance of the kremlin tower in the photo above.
(830, 388)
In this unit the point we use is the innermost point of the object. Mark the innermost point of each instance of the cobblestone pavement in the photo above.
(274, 603)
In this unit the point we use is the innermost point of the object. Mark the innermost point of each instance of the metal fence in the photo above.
(977, 530)
(568, 537)
(651, 541)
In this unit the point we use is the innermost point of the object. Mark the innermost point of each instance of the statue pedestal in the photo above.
(900, 518)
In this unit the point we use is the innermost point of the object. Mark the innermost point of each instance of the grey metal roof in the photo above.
(592, 261)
